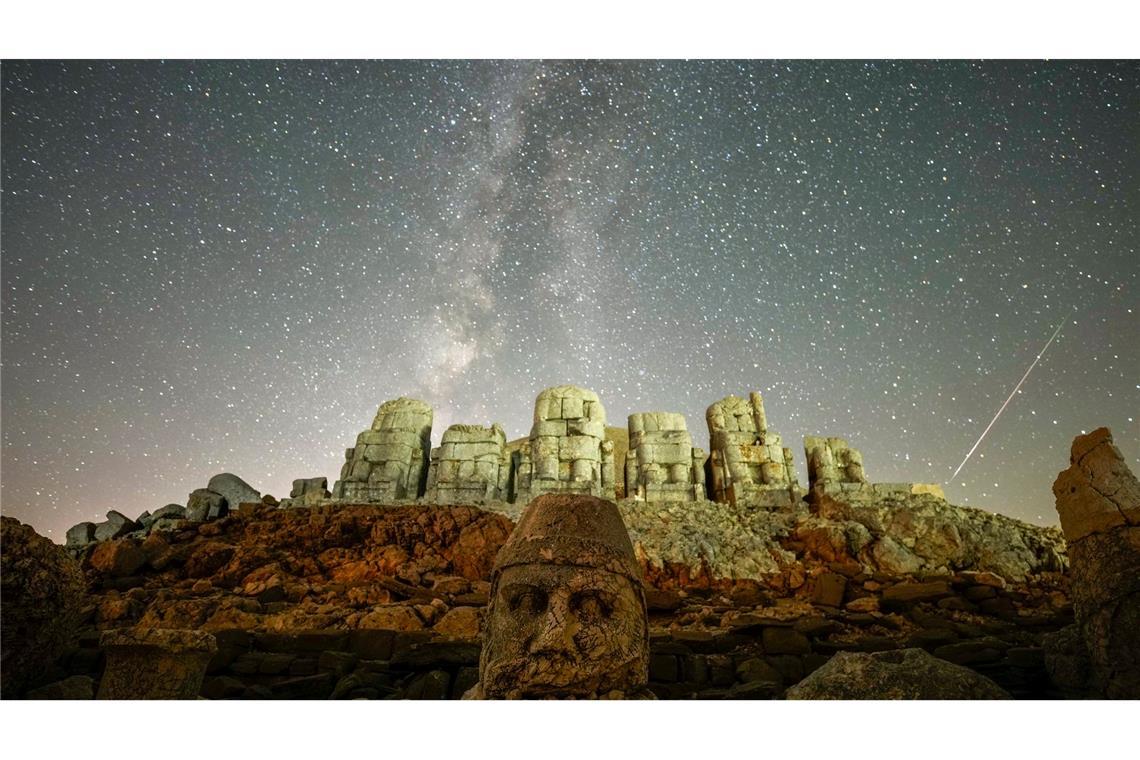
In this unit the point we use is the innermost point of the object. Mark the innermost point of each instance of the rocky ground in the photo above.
(385, 601)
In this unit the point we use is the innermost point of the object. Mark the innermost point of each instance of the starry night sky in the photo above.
(227, 266)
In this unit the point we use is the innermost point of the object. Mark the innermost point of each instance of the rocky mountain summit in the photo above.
(387, 601)
(752, 582)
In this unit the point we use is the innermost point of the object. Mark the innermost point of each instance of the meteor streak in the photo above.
(1003, 406)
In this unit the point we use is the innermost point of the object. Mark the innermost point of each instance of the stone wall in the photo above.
(704, 644)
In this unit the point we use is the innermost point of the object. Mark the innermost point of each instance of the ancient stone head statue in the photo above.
(567, 615)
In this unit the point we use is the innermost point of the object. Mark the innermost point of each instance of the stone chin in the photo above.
(535, 678)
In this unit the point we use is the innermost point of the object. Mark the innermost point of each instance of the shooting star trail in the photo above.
(1012, 393)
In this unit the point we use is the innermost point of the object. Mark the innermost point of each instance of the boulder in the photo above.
(895, 674)
(205, 504)
(460, 623)
(1098, 500)
(43, 593)
(117, 524)
(81, 534)
(235, 490)
(118, 558)
(169, 512)
(392, 617)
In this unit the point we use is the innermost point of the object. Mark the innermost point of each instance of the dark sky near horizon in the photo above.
(227, 266)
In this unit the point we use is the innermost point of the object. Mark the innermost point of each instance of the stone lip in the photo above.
(1097, 493)
(168, 640)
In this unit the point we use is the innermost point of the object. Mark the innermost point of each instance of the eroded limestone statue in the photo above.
(1098, 500)
(390, 460)
(748, 465)
(472, 464)
(567, 615)
(832, 461)
(835, 468)
(662, 464)
(568, 451)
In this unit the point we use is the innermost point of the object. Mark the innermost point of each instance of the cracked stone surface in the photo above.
(567, 616)
(1098, 499)
(389, 462)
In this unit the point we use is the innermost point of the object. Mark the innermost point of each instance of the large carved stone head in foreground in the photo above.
(567, 615)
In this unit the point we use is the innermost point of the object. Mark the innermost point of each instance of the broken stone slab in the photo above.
(235, 490)
(155, 663)
(117, 524)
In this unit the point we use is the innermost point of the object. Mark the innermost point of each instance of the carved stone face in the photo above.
(562, 631)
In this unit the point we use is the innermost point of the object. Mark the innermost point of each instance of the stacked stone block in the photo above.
(833, 464)
(662, 464)
(748, 465)
(472, 464)
(390, 460)
(308, 492)
(836, 469)
(568, 451)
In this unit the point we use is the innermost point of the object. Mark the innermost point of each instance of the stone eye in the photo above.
(530, 601)
(590, 605)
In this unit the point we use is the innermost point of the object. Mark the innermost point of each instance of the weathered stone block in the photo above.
(155, 663)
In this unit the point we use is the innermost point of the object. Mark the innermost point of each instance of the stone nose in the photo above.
(556, 629)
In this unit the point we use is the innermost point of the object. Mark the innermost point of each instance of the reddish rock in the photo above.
(392, 617)
(473, 555)
(41, 598)
(156, 551)
(117, 558)
(208, 558)
(903, 594)
(460, 623)
(117, 610)
(828, 589)
(864, 604)
(451, 584)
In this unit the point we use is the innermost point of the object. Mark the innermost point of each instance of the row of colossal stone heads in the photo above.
(569, 451)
